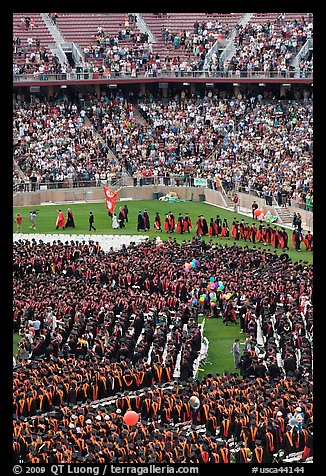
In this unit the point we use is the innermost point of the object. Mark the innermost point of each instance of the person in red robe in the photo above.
(308, 241)
(157, 222)
(253, 233)
(274, 237)
(167, 224)
(283, 239)
(199, 227)
(60, 220)
(180, 228)
(258, 233)
(225, 232)
(242, 229)
(235, 229)
(263, 235)
(172, 221)
(247, 232)
(204, 224)
(187, 223)
(212, 230)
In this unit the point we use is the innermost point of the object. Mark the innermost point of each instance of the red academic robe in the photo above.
(180, 225)
(247, 232)
(281, 240)
(235, 231)
(199, 227)
(172, 222)
(212, 231)
(224, 230)
(157, 224)
(167, 224)
(60, 219)
(187, 224)
(308, 241)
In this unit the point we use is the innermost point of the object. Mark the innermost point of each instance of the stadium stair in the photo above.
(284, 215)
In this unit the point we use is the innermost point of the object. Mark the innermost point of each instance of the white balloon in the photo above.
(194, 402)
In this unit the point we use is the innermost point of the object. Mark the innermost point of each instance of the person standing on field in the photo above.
(236, 353)
(19, 221)
(60, 220)
(126, 211)
(254, 207)
(32, 218)
(91, 221)
(236, 203)
(70, 222)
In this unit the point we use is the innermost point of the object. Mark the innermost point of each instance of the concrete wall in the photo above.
(96, 193)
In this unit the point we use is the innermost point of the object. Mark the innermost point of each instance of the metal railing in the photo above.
(270, 199)
(234, 75)
(226, 188)
(114, 181)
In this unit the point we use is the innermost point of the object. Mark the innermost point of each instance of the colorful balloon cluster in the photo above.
(212, 287)
(192, 302)
(193, 264)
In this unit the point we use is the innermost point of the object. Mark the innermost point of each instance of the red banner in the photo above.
(110, 199)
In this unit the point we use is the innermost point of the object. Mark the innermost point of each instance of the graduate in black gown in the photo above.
(140, 222)
(70, 219)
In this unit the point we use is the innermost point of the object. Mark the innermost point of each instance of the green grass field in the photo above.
(16, 339)
(220, 337)
(47, 216)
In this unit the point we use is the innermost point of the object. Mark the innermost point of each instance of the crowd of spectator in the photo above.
(244, 143)
(259, 47)
(213, 138)
(53, 144)
(118, 339)
(34, 58)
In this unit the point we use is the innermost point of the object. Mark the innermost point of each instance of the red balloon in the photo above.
(130, 418)
(257, 212)
(205, 456)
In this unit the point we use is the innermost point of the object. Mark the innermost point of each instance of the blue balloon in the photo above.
(212, 279)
